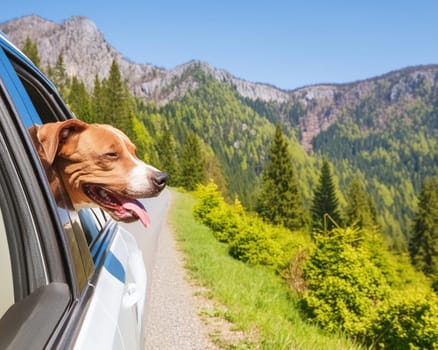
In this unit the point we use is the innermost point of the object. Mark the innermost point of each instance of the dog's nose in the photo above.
(160, 180)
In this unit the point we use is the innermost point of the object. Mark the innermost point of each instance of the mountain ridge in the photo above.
(44, 31)
(382, 128)
(86, 54)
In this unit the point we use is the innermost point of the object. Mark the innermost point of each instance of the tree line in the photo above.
(344, 239)
(345, 274)
(279, 196)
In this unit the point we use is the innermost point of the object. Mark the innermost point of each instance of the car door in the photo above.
(95, 265)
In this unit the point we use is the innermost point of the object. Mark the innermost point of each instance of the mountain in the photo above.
(383, 129)
(87, 53)
(84, 49)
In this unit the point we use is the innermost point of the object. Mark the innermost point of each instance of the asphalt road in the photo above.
(171, 310)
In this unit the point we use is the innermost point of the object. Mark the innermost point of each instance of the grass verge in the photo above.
(257, 301)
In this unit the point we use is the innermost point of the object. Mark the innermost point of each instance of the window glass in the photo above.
(90, 224)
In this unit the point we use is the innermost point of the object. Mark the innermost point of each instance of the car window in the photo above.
(49, 108)
(38, 103)
(90, 224)
(51, 256)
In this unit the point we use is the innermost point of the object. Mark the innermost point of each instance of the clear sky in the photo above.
(286, 43)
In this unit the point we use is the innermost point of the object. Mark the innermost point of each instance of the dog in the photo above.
(98, 166)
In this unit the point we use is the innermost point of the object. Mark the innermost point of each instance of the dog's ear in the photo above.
(52, 135)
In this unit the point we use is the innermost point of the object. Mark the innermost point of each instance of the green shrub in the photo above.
(344, 286)
(224, 222)
(260, 243)
(407, 320)
(349, 290)
(219, 216)
(254, 245)
(250, 239)
(209, 198)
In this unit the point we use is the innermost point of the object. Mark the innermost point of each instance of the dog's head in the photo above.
(99, 167)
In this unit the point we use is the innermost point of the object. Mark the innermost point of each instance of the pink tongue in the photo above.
(139, 210)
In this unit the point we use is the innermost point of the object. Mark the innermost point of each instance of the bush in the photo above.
(209, 198)
(349, 290)
(254, 244)
(224, 223)
(220, 217)
(344, 286)
(407, 320)
(250, 239)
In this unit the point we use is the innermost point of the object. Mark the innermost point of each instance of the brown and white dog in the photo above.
(99, 167)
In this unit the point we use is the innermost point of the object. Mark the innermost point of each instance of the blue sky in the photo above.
(285, 43)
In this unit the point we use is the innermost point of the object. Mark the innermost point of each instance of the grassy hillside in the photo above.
(274, 282)
(257, 301)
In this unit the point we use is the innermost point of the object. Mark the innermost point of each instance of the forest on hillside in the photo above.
(391, 147)
(348, 225)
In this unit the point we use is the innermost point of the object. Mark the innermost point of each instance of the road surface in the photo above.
(171, 312)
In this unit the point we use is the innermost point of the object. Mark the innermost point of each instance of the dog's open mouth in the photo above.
(121, 208)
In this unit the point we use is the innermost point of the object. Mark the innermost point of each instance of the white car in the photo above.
(69, 280)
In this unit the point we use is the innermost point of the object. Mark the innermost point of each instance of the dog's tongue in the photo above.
(139, 210)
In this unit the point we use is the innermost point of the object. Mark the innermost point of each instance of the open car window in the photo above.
(91, 222)
(33, 298)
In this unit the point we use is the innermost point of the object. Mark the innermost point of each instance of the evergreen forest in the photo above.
(350, 224)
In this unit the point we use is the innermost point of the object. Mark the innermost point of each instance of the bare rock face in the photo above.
(84, 49)
(86, 54)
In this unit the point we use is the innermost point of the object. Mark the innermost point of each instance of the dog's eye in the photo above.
(112, 155)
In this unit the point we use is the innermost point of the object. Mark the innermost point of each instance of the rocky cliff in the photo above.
(87, 53)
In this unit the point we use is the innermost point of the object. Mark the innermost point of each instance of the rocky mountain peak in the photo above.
(85, 51)
(81, 24)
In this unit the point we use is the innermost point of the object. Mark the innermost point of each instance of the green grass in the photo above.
(256, 299)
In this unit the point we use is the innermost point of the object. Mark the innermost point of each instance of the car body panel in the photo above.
(122, 277)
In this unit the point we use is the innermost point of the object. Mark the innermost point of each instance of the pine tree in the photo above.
(117, 110)
(361, 210)
(325, 202)
(423, 244)
(30, 49)
(214, 173)
(279, 201)
(193, 166)
(97, 101)
(143, 141)
(166, 150)
(79, 100)
(59, 77)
